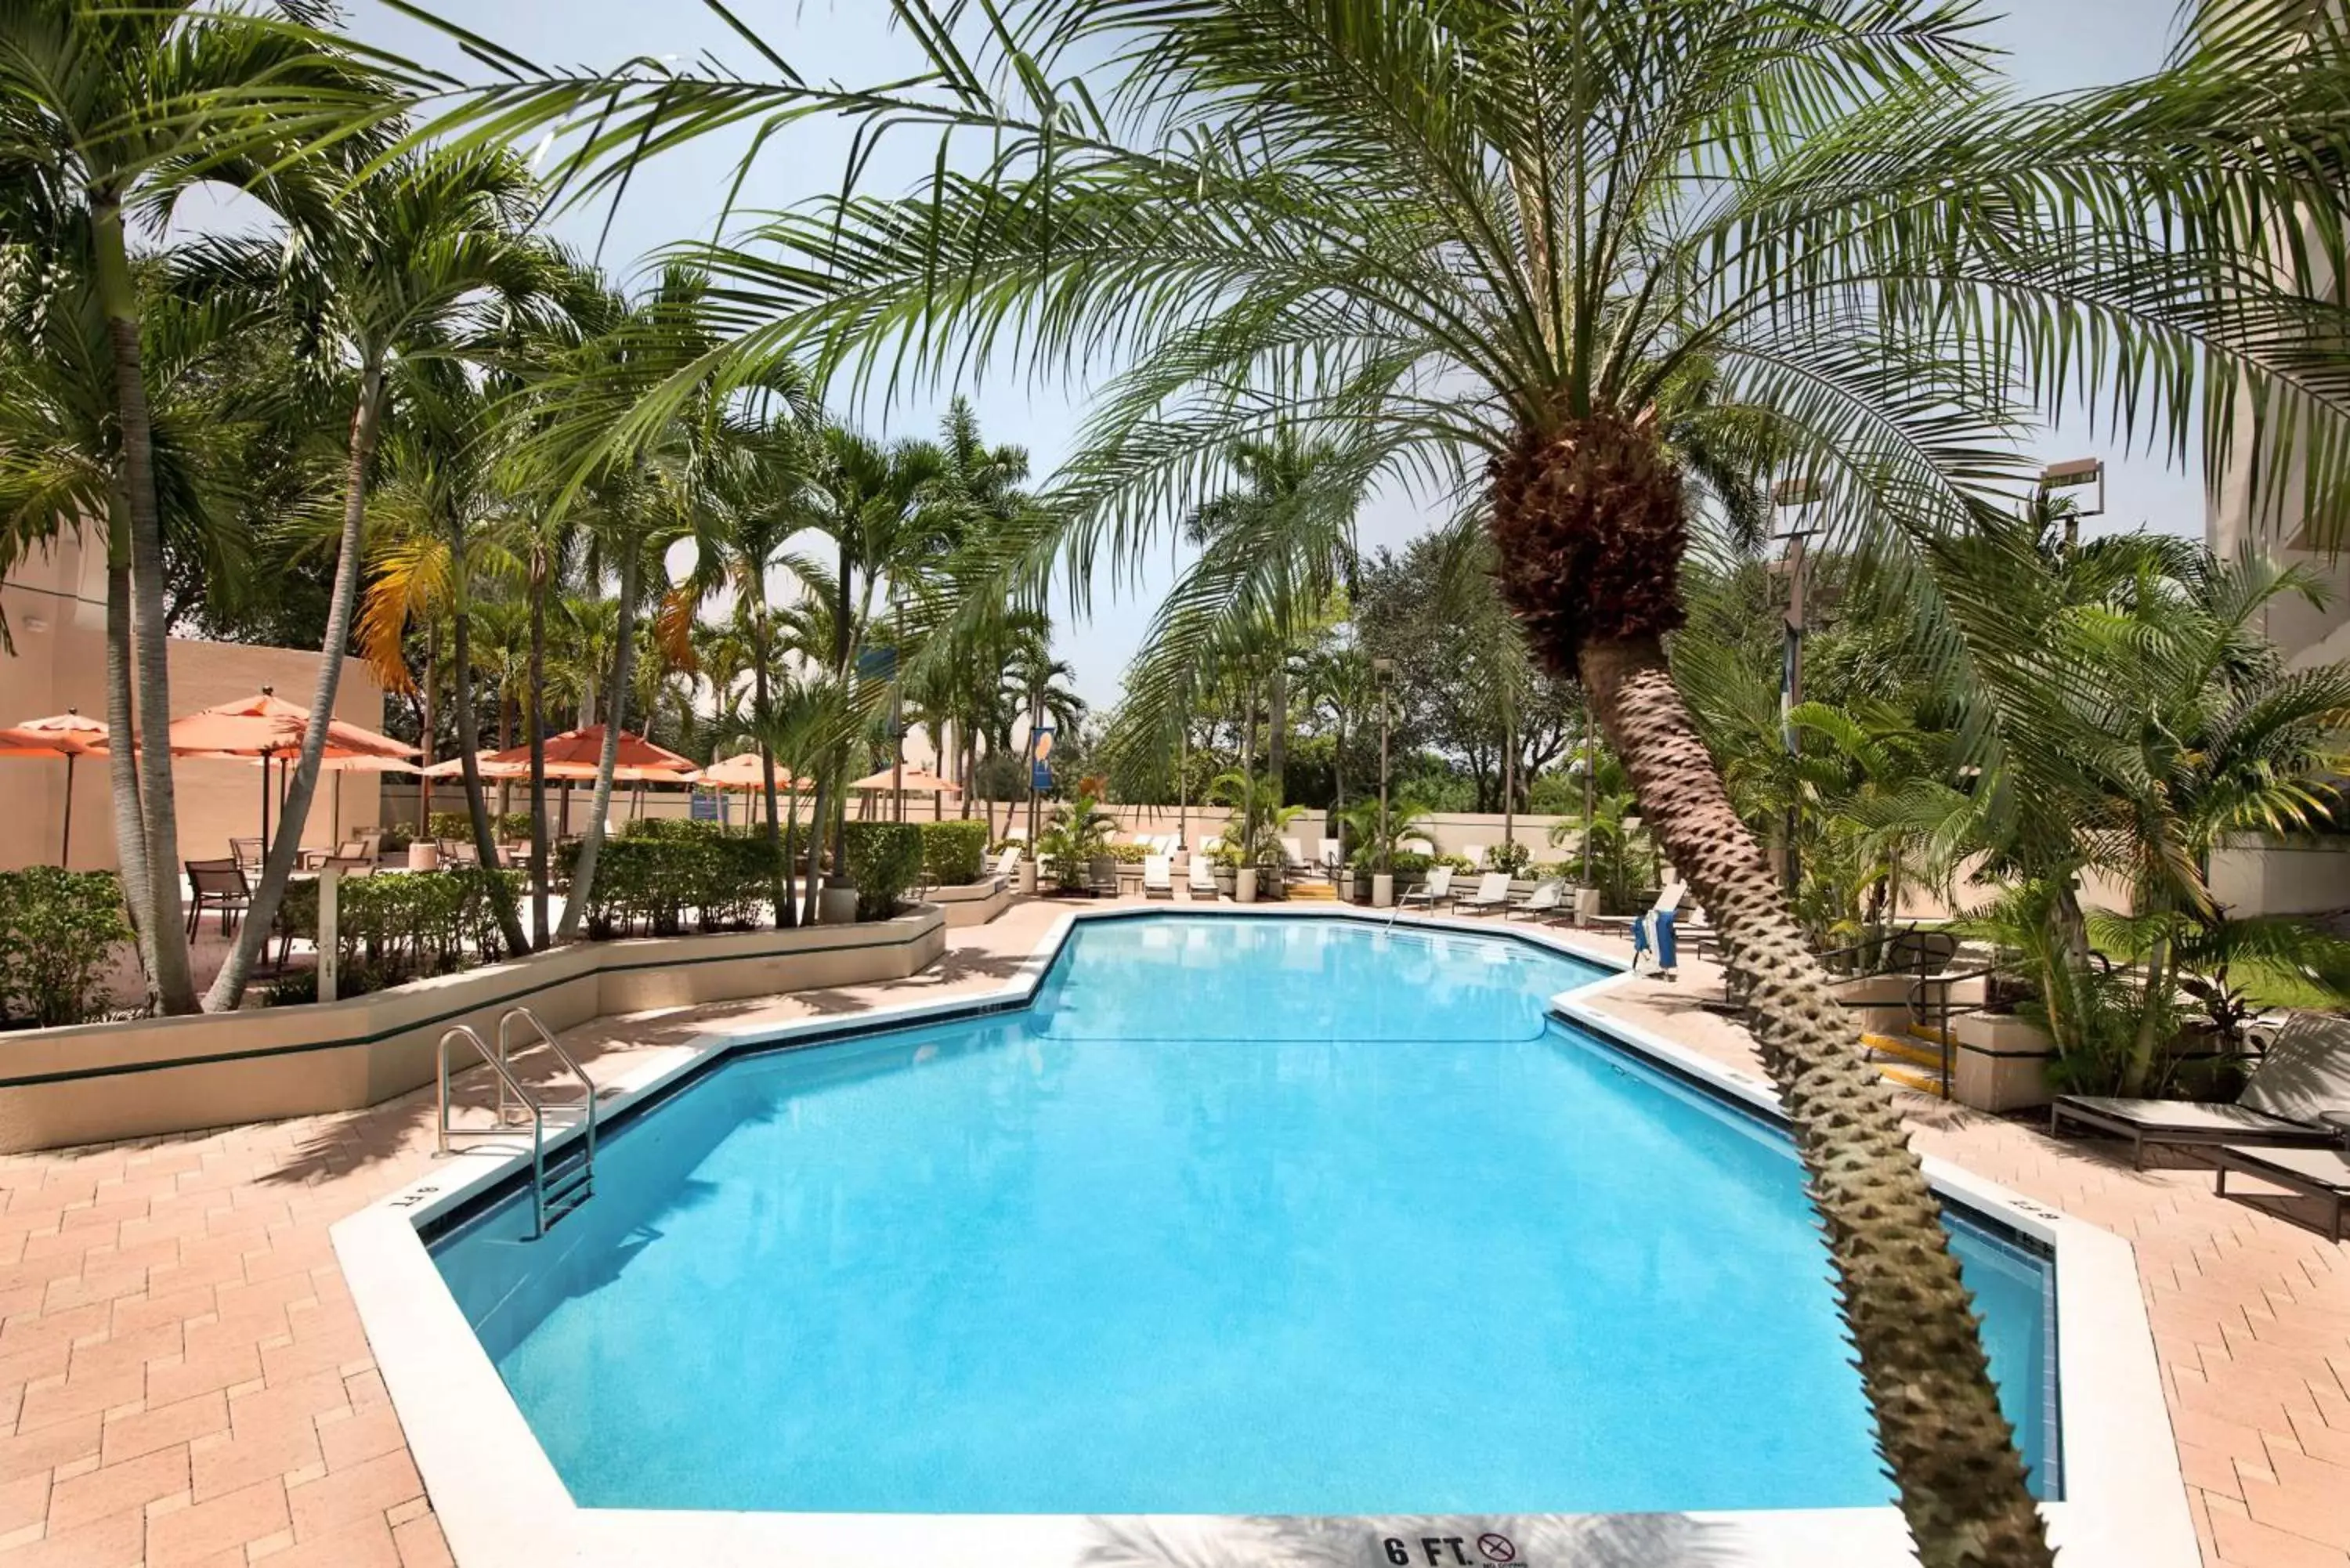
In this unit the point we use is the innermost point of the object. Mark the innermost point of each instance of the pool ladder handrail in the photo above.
(549, 1202)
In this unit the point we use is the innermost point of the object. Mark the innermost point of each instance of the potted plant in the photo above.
(1078, 835)
(1375, 858)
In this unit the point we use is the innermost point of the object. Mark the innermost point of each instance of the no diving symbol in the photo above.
(1497, 1548)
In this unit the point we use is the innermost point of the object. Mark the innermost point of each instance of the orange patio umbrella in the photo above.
(913, 781)
(268, 727)
(573, 755)
(68, 735)
(744, 773)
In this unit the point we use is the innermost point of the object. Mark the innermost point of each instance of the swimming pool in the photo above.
(1262, 1216)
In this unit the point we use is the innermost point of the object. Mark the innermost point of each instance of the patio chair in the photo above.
(1656, 936)
(1203, 878)
(1416, 847)
(1008, 862)
(217, 884)
(2302, 1078)
(1492, 893)
(1433, 893)
(249, 854)
(1475, 855)
(1548, 897)
(349, 865)
(1293, 851)
(1158, 877)
(1101, 877)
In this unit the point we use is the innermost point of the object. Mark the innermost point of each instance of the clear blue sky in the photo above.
(2052, 44)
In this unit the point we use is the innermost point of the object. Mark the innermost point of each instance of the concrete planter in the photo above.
(835, 905)
(1586, 905)
(1244, 885)
(424, 855)
(1026, 871)
(972, 903)
(1383, 890)
(93, 1082)
(1999, 1062)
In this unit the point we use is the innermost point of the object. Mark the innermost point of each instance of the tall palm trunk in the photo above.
(228, 988)
(172, 980)
(485, 842)
(539, 930)
(122, 757)
(429, 726)
(759, 707)
(816, 803)
(1589, 526)
(1277, 740)
(592, 844)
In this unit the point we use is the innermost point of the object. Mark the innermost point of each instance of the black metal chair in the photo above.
(217, 884)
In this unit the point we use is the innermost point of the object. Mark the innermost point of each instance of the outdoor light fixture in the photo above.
(2076, 473)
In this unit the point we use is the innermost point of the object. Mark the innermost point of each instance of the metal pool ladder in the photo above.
(555, 1191)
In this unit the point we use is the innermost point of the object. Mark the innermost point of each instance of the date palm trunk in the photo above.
(430, 725)
(760, 702)
(591, 842)
(1589, 527)
(536, 718)
(485, 843)
(122, 757)
(366, 421)
(171, 979)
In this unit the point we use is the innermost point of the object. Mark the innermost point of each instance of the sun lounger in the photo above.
(1294, 851)
(2320, 1173)
(1158, 877)
(1475, 855)
(1008, 862)
(1433, 893)
(2304, 1075)
(1492, 893)
(1547, 898)
(1203, 877)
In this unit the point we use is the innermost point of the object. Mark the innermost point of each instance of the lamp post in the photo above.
(2075, 474)
(1793, 495)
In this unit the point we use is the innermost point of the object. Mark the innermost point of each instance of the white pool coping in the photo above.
(502, 1505)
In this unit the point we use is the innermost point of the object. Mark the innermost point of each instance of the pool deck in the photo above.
(184, 1377)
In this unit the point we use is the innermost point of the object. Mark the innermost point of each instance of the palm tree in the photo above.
(427, 261)
(107, 113)
(1501, 244)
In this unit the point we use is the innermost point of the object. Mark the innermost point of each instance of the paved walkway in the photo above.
(183, 1378)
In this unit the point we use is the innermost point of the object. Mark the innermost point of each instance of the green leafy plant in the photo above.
(1375, 851)
(397, 925)
(58, 931)
(1079, 834)
(954, 853)
(885, 859)
(1511, 856)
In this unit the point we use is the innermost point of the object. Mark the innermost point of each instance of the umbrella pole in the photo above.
(265, 806)
(65, 849)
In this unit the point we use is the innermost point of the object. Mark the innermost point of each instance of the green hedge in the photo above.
(885, 859)
(954, 853)
(513, 827)
(659, 869)
(58, 931)
(398, 926)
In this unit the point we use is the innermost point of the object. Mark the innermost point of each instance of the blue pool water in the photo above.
(1243, 1215)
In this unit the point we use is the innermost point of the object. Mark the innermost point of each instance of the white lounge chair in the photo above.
(1008, 862)
(1433, 893)
(1331, 861)
(1158, 877)
(1492, 893)
(1475, 855)
(1548, 897)
(1203, 877)
(1294, 851)
(1416, 847)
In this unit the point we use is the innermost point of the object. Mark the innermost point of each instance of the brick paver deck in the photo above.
(183, 1379)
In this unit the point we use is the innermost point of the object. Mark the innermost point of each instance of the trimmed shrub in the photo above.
(884, 859)
(954, 853)
(1126, 854)
(658, 869)
(511, 827)
(398, 926)
(58, 933)
(1513, 857)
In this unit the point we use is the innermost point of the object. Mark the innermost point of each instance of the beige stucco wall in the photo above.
(56, 609)
(97, 1082)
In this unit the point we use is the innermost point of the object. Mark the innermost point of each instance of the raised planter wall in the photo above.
(2001, 1062)
(973, 903)
(95, 1083)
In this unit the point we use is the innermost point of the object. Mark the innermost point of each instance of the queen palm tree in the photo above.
(1501, 246)
(108, 113)
(427, 260)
